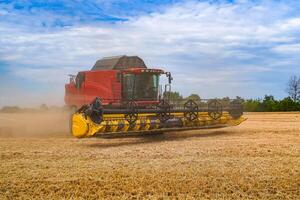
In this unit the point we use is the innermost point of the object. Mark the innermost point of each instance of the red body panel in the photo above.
(104, 84)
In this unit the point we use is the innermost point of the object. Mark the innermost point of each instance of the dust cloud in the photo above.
(43, 124)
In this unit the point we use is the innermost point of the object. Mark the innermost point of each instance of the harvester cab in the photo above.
(116, 83)
(121, 95)
(141, 85)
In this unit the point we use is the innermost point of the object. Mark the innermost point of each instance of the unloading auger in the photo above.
(94, 119)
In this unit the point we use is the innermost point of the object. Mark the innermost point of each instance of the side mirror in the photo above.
(72, 78)
(170, 78)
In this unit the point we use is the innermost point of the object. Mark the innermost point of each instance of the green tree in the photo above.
(194, 97)
(251, 105)
(173, 96)
(269, 103)
(11, 109)
(288, 104)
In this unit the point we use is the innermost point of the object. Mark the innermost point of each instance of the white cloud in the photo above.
(288, 49)
(293, 23)
(214, 42)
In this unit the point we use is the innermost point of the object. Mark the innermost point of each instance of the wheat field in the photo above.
(260, 159)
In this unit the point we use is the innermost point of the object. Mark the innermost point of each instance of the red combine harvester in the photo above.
(115, 80)
(121, 95)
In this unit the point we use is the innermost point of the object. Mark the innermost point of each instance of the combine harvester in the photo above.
(120, 95)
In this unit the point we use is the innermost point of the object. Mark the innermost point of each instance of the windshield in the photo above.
(142, 86)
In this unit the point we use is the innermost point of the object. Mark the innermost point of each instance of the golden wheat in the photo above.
(260, 159)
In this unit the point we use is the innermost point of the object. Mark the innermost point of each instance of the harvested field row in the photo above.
(259, 159)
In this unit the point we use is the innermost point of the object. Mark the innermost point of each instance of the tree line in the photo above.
(266, 104)
(270, 104)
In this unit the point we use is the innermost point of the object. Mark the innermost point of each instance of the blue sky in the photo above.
(214, 48)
